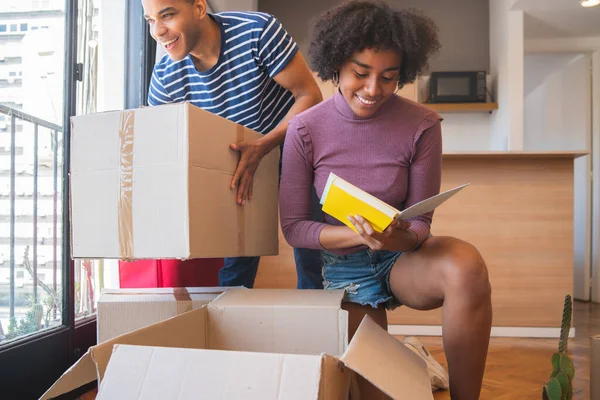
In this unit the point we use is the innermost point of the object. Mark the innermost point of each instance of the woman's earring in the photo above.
(336, 78)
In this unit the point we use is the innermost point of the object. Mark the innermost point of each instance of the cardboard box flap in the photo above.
(281, 298)
(160, 294)
(154, 298)
(335, 379)
(165, 290)
(279, 321)
(122, 311)
(187, 330)
(387, 363)
(80, 373)
(139, 372)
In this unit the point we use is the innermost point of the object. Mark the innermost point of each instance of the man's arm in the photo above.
(297, 78)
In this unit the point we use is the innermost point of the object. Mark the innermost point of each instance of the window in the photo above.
(37, 223)
(91, 276)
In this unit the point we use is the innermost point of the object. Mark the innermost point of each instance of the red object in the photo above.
(202, 272)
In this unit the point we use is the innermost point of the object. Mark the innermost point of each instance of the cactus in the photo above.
(565, 326)
(560, 386)
(554, 390)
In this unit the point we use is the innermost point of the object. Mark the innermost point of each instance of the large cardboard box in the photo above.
(595, 368)
(154, 182)
(122, 311)
(251, 344)
(174, 373)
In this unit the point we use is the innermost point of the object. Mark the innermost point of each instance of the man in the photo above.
(242, 66)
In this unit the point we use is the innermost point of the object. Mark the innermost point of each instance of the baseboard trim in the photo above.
(497, 331)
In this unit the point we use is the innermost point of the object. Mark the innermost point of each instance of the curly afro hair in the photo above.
(359, 25)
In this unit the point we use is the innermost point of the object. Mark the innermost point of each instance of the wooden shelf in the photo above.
(462, 107)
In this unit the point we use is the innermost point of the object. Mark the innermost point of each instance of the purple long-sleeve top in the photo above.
(395, 155)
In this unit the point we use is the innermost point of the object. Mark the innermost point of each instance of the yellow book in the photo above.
(341, 199)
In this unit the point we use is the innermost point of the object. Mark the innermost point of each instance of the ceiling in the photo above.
(546, 19)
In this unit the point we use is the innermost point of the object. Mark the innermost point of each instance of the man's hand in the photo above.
(251, 153)
(297, 78)
(397, 236)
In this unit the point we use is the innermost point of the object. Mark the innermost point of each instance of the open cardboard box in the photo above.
(122, 311)
(251, 344)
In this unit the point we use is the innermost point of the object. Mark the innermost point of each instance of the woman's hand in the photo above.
(397, 236)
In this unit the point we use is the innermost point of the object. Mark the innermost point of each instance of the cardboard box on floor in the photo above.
(122, 311)
(154, 182)
(594, 368)
(251, 344)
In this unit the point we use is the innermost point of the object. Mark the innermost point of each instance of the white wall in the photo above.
(557, 102)
(466, 132)
(558, 117)
(506, 68)
(595, 237)
(111, 62)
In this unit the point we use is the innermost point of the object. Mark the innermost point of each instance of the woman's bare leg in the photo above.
(450, 273)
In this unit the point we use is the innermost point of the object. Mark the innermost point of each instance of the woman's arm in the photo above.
(339, 237)
(425, 173)
(295, 190)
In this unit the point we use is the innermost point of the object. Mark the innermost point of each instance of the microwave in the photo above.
(457, 87)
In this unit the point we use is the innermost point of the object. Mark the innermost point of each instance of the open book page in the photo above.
(429, 204)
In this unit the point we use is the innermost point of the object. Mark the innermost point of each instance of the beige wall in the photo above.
(464, 27)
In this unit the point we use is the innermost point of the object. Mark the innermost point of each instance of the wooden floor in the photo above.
(517, 369)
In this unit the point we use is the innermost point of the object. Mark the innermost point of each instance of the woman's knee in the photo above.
(464, 269)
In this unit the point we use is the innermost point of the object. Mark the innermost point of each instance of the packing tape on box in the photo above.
(241, 224)
(181, 295)
(183, 300)
(125, 209)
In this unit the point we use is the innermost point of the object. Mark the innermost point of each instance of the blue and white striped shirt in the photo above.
(254, 48)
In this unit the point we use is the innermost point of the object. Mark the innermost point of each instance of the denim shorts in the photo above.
(364, 275)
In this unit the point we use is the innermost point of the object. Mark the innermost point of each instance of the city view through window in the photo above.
(32, 59)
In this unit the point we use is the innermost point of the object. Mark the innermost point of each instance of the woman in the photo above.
(392, 148)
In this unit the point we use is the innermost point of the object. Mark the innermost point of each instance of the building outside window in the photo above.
(31, 64)
(31, 194)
